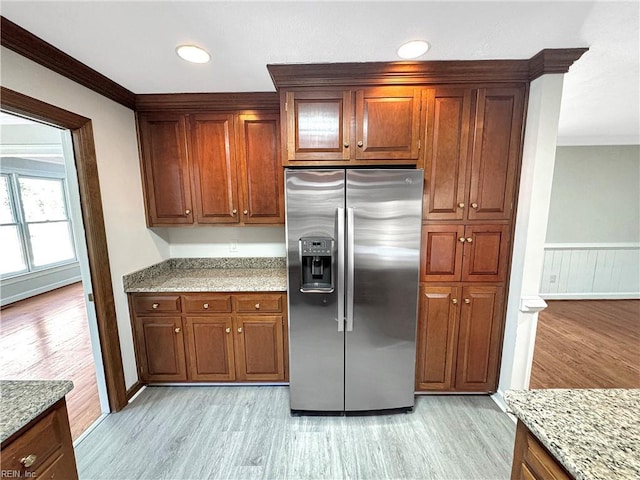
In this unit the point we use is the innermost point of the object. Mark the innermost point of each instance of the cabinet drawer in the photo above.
(42, 443)
(156, 303)
(258, 303)
(207, 303)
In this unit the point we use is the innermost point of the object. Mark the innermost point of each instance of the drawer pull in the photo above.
(205, 306)
(28, 460)
(177, 330)
(155, 306)
(257, 306)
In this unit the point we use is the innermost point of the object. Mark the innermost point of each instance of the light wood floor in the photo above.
(588, 344)
(47, 338)
(247, 432)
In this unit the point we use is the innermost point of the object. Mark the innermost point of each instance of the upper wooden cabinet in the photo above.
(165, 168)
(349, 127)
(211, 168)
(473, 138)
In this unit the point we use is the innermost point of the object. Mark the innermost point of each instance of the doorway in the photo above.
(92, 215)
(48, 327)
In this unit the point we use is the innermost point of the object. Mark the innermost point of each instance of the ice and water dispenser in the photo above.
(316, 259)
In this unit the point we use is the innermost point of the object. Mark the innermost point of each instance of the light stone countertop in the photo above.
(251, 274)
(23, 400)
(593, 433)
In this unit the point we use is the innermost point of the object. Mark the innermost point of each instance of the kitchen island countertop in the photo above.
(242, 274)
(23, 400)
(593, 433)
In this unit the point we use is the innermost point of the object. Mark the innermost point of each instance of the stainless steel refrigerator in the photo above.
(353, 255)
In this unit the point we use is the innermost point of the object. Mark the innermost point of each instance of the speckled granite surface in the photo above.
(594, 434)
(22, 401)
(250, 274)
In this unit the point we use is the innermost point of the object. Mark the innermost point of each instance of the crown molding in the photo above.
(23, 42)
(207, 101)
(423, 73)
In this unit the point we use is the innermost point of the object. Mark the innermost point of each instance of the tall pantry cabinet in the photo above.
(472, 158)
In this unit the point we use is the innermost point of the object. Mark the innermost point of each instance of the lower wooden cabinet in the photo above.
(532, 461)
(459, 338)
(43, 450)
(214, 338)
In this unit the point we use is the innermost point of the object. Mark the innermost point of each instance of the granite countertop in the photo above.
(23, 400)
(249, 274)
(594, 434)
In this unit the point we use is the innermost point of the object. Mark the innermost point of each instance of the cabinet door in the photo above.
(496, 153)
(259, 348)
(318, 125)
(214, 169)
(163, 148)
(160, 348)
(261, 174)
(441, 255)
(209, 343)
(447, 150)
(387, 123)
(479, 339)
(486, 253)
(437, 332)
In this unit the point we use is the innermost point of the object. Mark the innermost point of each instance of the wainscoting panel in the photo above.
(591, 270)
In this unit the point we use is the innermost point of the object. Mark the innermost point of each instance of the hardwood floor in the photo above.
(46, 337)
(587, 344)
(247, 432)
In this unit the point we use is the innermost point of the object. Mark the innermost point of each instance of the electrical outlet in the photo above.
(553, 279)
(233, 246)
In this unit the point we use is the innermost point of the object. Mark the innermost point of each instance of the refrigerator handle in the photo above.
(349, 281)
(340, 278)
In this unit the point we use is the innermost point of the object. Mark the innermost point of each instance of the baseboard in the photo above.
(134, 390)
(37, 291)
(591, 296)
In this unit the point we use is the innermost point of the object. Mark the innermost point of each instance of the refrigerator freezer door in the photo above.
(380, 343)
(316, 346)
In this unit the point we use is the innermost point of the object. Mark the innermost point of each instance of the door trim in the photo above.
(92, 214)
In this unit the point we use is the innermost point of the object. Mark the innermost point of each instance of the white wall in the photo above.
(131, 245)
(225, 241)
(595, 196)
(592, 248)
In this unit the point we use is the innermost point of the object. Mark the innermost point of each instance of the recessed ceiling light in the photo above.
(413, 49)
(193, 54)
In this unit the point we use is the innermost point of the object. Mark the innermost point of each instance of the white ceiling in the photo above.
(133, 43)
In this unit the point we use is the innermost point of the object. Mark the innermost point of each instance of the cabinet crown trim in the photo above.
(429, 72)
(194, 102)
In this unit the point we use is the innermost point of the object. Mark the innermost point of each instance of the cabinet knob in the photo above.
(246, 212)
(187, 212)
(177, 329)
(239, 329)
(474, 206)
(454, 301)
(155, 306)
(346, 145)
(469, 239)
(257, 306)
(466, 300)
(234, 211)
(28, 460)
(205, 306)
(461, 240)
(360, 143)
(461, 205)
(228, 329)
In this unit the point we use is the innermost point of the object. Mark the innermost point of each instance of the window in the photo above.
(35, 230)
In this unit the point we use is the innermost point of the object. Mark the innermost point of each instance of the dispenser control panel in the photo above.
(316, 246)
